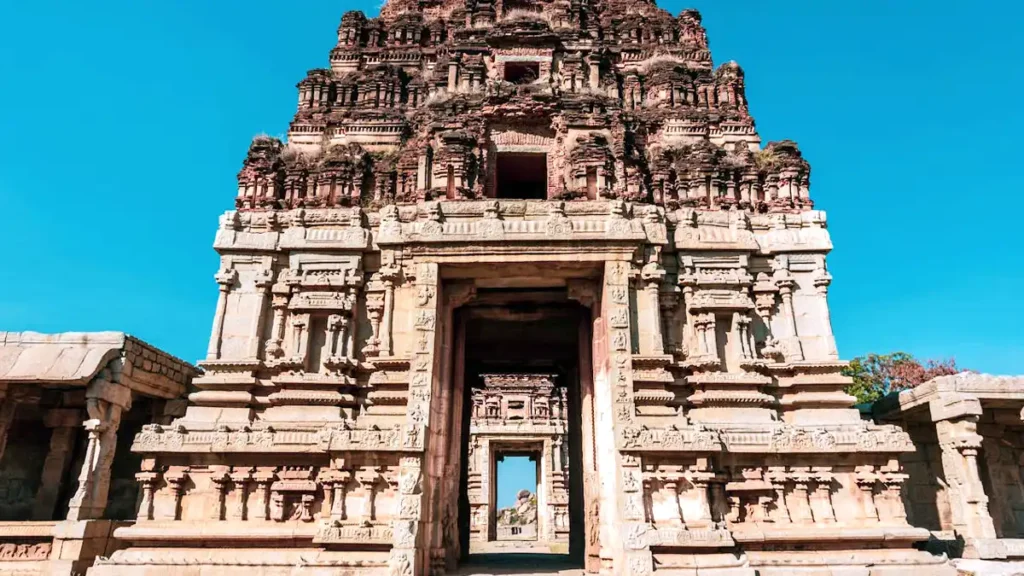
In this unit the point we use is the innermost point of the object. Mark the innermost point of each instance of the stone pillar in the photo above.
(8, 407)
(148, 481)
(652, 341)
(374, 313)
(264, 280)
(279, 305)
(410, 554)
(960, 442)
(105, 402)
(226, 280)
(866, 479)
(799, 502)
(389, 275)
(786, 285)
(821, 497)
(623, 527)
(63, 423)
(263, 478)
(241, 479)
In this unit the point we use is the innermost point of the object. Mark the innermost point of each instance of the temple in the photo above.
(506, 228)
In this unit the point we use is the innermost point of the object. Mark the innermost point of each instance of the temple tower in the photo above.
(562, 191)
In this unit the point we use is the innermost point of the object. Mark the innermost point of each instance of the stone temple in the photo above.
(505, 227)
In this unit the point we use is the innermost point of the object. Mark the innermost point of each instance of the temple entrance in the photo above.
(522, 357)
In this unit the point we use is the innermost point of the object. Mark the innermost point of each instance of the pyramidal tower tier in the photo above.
(522, 227)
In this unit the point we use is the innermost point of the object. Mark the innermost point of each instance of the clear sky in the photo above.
(123, 123)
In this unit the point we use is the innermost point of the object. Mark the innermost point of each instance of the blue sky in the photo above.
(123, 123)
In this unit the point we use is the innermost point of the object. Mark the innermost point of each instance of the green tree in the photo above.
(875, 375)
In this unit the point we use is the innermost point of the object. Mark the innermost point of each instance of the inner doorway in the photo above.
(521, 373)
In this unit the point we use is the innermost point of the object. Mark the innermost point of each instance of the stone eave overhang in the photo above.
(950, 396)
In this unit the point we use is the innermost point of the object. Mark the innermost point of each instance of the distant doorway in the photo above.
(522, 176)
(515, 496)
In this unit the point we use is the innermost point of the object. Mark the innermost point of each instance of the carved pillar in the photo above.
(349, 324)
(264, 280)
(8, 407)
(698, 512)
(222, 481)
(374, 313)
(177, 479)
(149, 481)
(225, 280)
(104, 404)
(369, 479)
(241, 478)
(652, 341)
(866, 478)
(279, 305)
(799, 502)
(339, 486)
(264, 479)
(777, 476)
(821, 498)
(670, 484)
(764, 305)
(300, 337)
(64, 424)
(960, 442)
(892, 497)
(389, 275)
(786, 285)
(336, 332)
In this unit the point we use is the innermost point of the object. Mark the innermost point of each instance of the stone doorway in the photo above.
(522, 367)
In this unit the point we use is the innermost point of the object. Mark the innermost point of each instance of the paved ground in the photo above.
(521, 564)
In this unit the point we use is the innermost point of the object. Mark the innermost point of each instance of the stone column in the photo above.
(866, 478)
(264, 280)
(960, 442)
(623, 526)
(225, 280)
(264, 479)
(148, 481)
(241, 478)
(279, 305)
(222, 480)
(821, 497)
(374, 313)
(64, 424)
(799, 502)
(105, 402)
(652, 341)
(8, 407)
(786, 285)
(698, 512)
(410, 547)
(389, 275)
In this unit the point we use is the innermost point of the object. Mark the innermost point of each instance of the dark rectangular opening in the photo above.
(521, 72)
(522, 176)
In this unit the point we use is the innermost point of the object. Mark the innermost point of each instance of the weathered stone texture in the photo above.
(566, 200)
(460, 164)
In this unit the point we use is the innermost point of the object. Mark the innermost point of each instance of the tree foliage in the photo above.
(875, 375)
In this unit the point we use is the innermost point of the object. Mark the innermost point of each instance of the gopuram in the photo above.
(504, 227)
